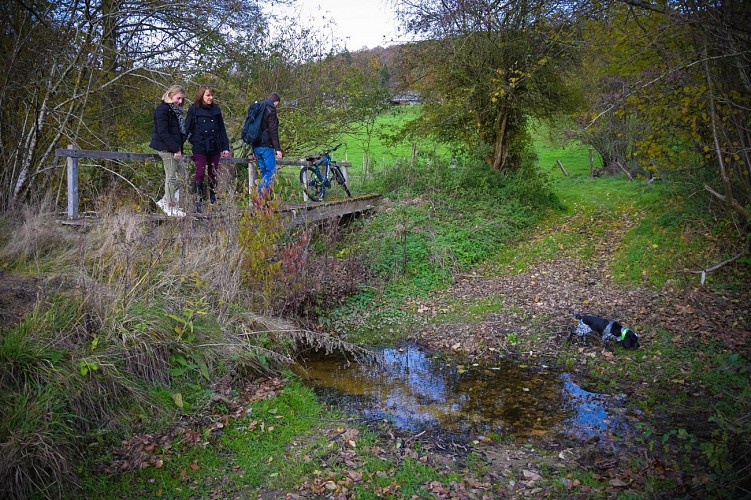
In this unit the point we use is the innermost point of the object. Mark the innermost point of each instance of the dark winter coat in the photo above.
(206, 130)
(166, 135)
(269, 128)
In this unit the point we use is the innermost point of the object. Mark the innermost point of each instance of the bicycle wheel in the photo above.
(341, 180)
(311, 183)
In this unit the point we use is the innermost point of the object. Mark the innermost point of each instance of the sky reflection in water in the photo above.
(415, 391)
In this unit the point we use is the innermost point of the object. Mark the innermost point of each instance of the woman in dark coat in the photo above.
(208, 135)
(168, 138)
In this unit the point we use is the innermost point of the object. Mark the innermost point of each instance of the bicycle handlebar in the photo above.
(323, 153)
(327, 151)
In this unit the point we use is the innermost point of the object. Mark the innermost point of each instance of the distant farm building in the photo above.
(406, 98)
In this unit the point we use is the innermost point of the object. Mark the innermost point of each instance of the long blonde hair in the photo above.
(174, 89)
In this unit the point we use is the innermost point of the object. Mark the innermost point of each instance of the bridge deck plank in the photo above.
(293, 213)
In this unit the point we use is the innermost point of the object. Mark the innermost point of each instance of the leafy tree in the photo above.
(486, 68)
(676, 79)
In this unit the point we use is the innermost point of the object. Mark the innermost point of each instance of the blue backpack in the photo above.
(251, 131)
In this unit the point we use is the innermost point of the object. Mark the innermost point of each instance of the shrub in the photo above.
(449, 218)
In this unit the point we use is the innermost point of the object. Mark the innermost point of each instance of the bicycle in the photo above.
(317, 177)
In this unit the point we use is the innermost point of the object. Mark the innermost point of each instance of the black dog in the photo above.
(606, 330)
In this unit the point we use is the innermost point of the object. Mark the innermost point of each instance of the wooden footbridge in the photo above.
(294, 213)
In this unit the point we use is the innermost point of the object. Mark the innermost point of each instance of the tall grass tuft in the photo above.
(37, 449)
(37, 238)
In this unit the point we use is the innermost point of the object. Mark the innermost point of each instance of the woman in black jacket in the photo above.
(168, 138)
(208, 135)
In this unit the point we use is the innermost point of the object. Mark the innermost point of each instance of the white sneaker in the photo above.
(163, 205)
(175, 212)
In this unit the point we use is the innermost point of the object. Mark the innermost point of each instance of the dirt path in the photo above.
(540, 300)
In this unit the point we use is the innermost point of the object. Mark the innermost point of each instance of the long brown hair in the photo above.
(199, 96)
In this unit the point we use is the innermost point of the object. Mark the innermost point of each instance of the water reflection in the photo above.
(415, 390)
(591, 414)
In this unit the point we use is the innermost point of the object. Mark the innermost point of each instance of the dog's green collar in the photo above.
(623, 333)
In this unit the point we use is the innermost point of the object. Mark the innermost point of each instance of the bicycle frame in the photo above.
(324, 176)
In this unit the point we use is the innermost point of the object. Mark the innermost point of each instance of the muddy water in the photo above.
(416, 391)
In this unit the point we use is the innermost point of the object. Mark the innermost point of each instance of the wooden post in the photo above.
(72, 185)
(345, 173)
(305, 183)
(251, 178)
(591, 163)
(624, 170)
(414, 154)
(562, 169)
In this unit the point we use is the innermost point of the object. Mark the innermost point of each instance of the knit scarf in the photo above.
(178, 110)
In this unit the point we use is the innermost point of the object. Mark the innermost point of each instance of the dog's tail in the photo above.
(576, 315)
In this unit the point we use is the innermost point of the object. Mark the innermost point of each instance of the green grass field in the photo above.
(382, 153)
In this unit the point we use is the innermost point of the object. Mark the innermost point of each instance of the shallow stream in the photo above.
(415, 390)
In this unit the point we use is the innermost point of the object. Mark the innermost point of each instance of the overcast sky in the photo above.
(359, 23)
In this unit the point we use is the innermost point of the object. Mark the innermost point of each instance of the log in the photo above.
(562, 169)
(624, 170)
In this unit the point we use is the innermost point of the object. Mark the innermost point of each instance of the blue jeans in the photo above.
(266, 158)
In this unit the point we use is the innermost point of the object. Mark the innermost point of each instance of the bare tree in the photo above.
(67, 65)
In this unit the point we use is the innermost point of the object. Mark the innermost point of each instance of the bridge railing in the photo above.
(73, 154)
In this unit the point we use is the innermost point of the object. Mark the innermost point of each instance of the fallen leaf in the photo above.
(533, 476)
(178, 399)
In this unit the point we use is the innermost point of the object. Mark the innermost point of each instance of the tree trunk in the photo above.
(500, 151)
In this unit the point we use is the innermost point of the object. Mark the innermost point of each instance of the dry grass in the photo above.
(36, 238)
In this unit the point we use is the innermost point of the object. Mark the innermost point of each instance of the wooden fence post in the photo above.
(591, 163)
(304, 179)
(345, 173)
(72, 185)
(252, 178)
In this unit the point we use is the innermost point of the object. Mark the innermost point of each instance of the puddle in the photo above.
(417, 391)
(592, 414)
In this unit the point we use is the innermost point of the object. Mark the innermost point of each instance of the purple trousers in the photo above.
(202, 160)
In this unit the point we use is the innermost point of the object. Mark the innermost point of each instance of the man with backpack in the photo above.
(261, 131)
